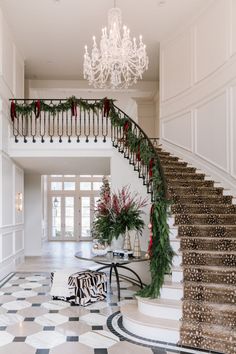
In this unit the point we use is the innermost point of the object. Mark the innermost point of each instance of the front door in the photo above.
(62, 218)
(71, 201)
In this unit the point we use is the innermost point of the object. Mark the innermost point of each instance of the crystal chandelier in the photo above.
(119, 61)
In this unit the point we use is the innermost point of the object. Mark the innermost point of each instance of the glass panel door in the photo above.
(62, 221)
(69, 232)
(56, 222)
(85, 217)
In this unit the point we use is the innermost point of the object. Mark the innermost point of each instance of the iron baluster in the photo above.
(42, 126)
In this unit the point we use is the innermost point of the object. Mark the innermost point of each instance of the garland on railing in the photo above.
(71, 103)
(159, 250)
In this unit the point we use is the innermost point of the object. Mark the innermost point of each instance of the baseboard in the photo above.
(10, 264)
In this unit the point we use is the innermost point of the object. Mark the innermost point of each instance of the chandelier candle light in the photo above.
(119, 62)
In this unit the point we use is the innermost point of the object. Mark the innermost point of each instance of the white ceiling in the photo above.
(51, 34)
(65, 165)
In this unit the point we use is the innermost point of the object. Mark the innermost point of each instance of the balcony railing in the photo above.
(79, 119)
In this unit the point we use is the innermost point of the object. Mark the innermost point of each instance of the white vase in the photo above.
(117, 244)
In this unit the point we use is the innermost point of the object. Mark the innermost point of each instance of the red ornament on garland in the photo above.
(150, 244)
(74, 109)
(151, 164)
(138, 153)
(106, 107)
(13, 110)
(126, 127)
(37, 108)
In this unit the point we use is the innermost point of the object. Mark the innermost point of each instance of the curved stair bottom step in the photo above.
(157, 329)
(166, 309)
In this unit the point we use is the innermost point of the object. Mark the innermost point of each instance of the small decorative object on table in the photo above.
(137, 248)
(99, 249)
(127, 244)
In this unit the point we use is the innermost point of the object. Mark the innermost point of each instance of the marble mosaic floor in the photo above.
(32, 323)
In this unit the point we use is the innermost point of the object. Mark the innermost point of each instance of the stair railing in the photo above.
(101, 119)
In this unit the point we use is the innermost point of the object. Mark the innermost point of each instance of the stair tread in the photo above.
(131, 311)
(160, 302)
(221, 307)
(205, 214)
(224, 287)
(211, 267)
(208, 226)
(214, 252)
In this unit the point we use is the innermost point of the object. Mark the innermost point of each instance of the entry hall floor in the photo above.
(32, 323)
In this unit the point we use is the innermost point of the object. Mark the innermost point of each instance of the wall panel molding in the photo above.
(211, 40)
(212, 96)
(222, 78)
(232, 22)
(176, 74)
(178, 130)
(232, 124)
(211, 131)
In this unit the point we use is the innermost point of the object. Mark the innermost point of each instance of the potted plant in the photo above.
(117, 212)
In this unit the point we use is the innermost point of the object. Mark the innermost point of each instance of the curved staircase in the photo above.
(203, 234)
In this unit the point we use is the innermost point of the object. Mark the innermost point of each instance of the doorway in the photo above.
(71, 202)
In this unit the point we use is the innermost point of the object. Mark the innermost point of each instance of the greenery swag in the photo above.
(139, 145)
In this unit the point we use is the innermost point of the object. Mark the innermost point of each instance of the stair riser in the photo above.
(160, 311)
(171, 293)
(203, 199)
(199, 313)
(173, 164)
(175, 246)
(177, 260)
(203, 209)
(199, 275)
(210, 245)
(198, 341)
(212, 219)
(168, 158)
(190, 183)
(153, 333)
(182, 169)
(173, 232)
(204, 231)
(209, 293)
(213, 259)
(201, 191)
(172, 176)
(177, 276)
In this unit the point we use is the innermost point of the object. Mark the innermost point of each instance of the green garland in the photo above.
(160, 250)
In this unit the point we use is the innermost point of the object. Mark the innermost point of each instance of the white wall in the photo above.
(148, 117)
(11, 220)
(198, 92)
(11, 176)
(33, 215)
(122, 174)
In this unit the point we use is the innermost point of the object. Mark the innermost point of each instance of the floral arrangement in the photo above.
(117, 212)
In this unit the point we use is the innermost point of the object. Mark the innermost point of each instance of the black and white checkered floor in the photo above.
(32, 323)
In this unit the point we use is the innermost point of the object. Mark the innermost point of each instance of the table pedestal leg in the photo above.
(117, 281)
(132, 271)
